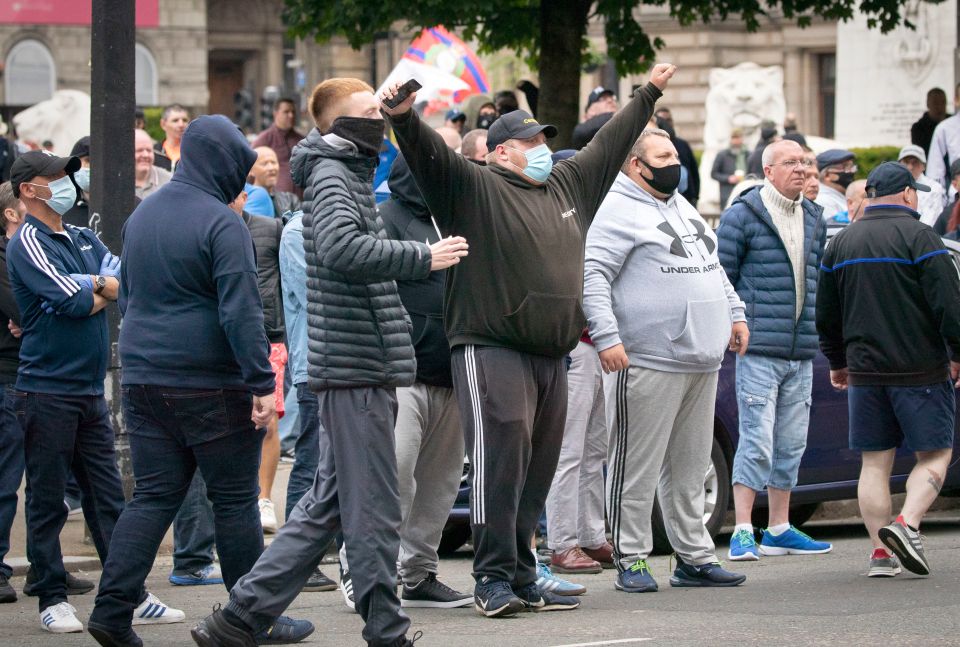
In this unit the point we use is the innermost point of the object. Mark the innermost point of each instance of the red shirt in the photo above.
(282, 143)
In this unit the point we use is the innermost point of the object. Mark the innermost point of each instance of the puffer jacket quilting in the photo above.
(358, 331)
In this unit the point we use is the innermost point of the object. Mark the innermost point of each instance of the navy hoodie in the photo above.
(192, 311)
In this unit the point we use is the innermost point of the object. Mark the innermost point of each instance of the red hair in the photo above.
(327, 96)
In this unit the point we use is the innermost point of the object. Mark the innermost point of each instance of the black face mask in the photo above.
(486, 119)
(844, 178)
(665, 179)
(366, 134)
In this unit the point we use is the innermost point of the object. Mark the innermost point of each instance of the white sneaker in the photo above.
(154, 612)
(60, 619)
(268, 515)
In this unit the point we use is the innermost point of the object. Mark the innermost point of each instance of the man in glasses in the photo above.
(838, 168)
(771, 240)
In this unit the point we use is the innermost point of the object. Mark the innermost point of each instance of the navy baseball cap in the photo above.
(890, 178)
(833, 157)
(455, 115)
(597, 93)
(516, 125)
(39, 164)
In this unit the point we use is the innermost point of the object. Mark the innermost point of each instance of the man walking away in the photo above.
(888, 309)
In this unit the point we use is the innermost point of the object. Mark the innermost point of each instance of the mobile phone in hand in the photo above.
(405, 91)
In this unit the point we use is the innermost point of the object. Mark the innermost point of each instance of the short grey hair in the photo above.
(7, 199)
(639, 147)
(771, 149)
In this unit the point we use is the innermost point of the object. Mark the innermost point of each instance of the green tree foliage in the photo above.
(551, 35)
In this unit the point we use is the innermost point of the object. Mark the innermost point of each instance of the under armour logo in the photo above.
(677, 247)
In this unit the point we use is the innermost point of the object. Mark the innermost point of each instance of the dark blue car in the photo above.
(828, 471)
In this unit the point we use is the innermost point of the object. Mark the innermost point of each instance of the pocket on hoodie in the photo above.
(705, 334)
(547, 322)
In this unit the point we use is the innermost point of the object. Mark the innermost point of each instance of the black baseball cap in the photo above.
(455, 115)
(890, 178)
(597, 93)
(39, 164)
(516, 125)
(81, 148)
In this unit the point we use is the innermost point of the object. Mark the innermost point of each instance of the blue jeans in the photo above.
(194, 534)
(173, 432)
(11, 474)
(774, 397)
(63, 432)
(289, 425)
(307, 452)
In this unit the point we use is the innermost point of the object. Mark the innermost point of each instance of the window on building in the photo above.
(30, 75)
(146, 77)
(827, 73)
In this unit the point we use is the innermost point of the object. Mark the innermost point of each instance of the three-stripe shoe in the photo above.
(60, 619)
(548, 581)
(154, 612)
(792, 542)
(346, 588)
(536, 599)
(494, 598)
(883, 564)
(905, 544)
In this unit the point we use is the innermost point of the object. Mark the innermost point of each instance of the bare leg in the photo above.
(743, 498)
(873, 491)
(269, 458)
(923, 486)
(779, 501)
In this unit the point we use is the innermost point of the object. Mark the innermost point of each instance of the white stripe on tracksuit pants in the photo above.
(512, 408)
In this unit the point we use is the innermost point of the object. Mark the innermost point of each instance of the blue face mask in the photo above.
(64, 194)
(82, 178)
(539, 163)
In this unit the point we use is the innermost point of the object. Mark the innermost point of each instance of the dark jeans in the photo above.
(11, 474)
(307, 453)
(63, 432)
(193, 530)
(173, 432)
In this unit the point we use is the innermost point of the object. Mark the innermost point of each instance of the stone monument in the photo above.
(63, 119)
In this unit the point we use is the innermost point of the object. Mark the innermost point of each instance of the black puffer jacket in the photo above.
(266, 241)
(358, 331)
(406, 217)
(284, 201)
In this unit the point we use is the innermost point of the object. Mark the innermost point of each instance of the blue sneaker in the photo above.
(494, 598)
(551, 583)
(743, 547)
(636, 579)
(285, 631)
(792, 542)
(688, 575)
(209, 574)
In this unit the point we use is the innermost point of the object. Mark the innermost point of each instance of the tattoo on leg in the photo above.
(935, 480)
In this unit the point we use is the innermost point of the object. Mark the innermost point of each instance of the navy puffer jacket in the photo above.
(757, 264)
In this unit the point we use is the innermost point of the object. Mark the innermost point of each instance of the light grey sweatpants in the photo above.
(429, 466)
(575, 502)
(661, 435)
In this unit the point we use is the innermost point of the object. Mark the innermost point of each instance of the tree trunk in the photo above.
(563, 24)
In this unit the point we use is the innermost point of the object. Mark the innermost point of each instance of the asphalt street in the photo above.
(811, 600)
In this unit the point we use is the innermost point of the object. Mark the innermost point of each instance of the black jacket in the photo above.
(266, 240)
(160, 158)
(940, 226)
(358, 331)
(9, 345)
(406, 217)
(724, 166)
(584, 132)
(284, 201)
(889, 296)
(921, 132)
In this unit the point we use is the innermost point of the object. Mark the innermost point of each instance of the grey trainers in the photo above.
(906, 545)
(883, 565)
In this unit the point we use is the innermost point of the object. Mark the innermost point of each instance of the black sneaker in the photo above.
(346, 588)
(319, 582)
(431, 592)
(536, 599)
(285, 631)
(7, 594)
(905, 544)
(494, 598)
(110, 638)
(403, 641)
(704, 575)
(216, 631)
(75, 585)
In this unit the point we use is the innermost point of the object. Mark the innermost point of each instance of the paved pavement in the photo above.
(795, 600)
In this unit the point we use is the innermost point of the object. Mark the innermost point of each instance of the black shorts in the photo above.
(881, 417)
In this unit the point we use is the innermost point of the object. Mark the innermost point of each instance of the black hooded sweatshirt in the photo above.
(406, 217)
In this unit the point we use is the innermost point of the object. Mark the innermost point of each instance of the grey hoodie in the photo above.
(653, 282)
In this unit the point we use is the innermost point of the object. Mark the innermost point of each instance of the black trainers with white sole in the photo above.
(432, 593)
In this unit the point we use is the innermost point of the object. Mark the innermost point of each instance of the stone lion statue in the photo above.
(63, 119)
(739, 97)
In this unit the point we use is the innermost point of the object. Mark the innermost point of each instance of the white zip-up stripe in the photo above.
(35, 251)
(479, 502)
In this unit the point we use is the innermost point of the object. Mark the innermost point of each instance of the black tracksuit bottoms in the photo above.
(513, 406)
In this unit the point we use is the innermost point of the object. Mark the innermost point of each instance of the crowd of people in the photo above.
(523, 306)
